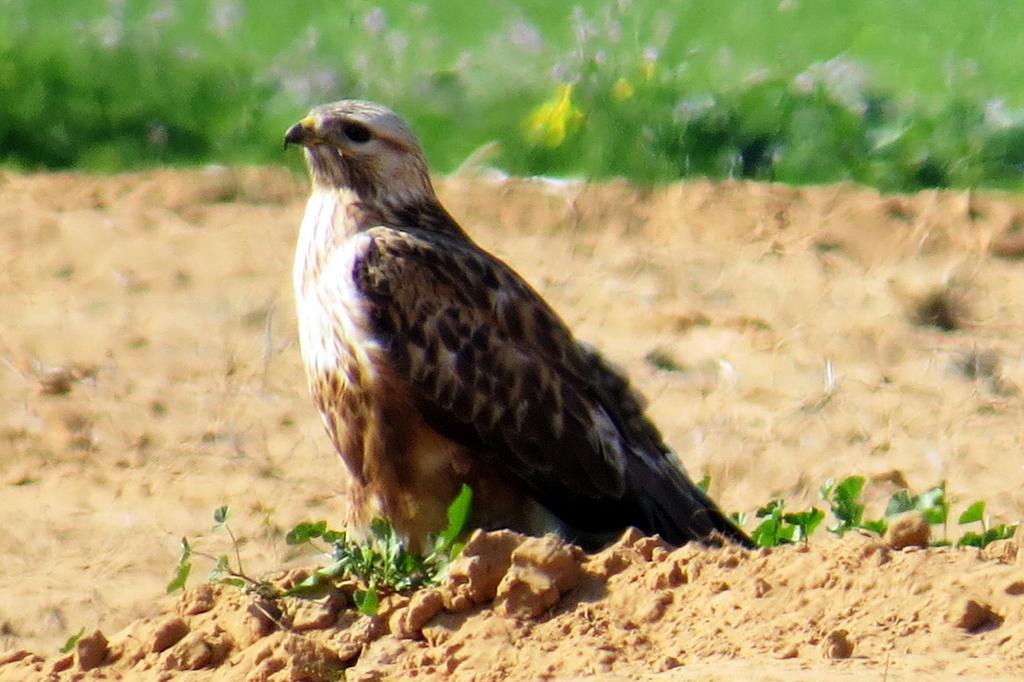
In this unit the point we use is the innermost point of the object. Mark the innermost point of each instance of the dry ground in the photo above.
(150, 374)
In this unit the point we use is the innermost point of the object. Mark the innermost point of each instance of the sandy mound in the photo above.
(535, 608)
(782, 335)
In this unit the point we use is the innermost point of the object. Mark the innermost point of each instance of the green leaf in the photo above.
(1002, 531)
(221, 570)
(366, 601)
(844, 498)
(900, 502)
(332, 571)
(878, 526)
(184, 568)
(333, 536)
(766, 534)
(973, 514)
(458, 514)
(313, 587)
(773, 508)
(180, 577)
(381, 529)
(933, 504)
(979, 540)
(72, 641)
(220, 516)
(971, 539)
(850, 488)
(455, 550)
(704, 483)
(305, 531)
(770, 532)
(807, 521)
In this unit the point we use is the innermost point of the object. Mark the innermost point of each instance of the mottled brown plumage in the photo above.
(433, 363)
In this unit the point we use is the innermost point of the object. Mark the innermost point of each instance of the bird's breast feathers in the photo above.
(334, 333)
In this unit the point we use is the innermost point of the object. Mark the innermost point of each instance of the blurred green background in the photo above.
(899, 95)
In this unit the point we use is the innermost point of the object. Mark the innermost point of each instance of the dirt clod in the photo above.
(541, 570)
(167, 633)
(91, 651)
(313, 614)
(908, 530)
(408, 622)
(837, 645)
(975, 616)
(473, 578)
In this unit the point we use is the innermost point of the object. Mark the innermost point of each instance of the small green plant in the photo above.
(976, 514)
(844, 500)
(382, 564)
(779, 528)
(222, 571)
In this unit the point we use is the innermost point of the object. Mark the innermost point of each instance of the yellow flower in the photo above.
(622, 90)
(554, 119)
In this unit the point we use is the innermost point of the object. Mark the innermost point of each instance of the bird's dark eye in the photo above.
(356, 132)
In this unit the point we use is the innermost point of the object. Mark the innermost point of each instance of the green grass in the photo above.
(897, 95)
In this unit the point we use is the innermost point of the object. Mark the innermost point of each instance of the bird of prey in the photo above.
(434, 364)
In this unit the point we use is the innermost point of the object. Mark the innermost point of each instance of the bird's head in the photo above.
(365, 147)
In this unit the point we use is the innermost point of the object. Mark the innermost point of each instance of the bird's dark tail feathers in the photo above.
(676, 509)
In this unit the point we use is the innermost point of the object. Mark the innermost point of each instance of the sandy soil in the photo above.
(150, 374)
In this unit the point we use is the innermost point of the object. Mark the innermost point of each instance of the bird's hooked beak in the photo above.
(303, 133)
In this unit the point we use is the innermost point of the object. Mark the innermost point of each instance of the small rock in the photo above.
(611, 561)
(316, 614)
(542, 570)
(56, 381)
(246, 626)
(168, 633)
(473, 578)
(198, 599)
(289, 656)
(18, 655)
(761, 587)
(654, 609)
(908, 530)
(1015, 589)
(1003, 551)
(668, 574)
(191, 653)
(786, 651)
(353, 633)
(61, 664)
(974, 616)
(91, 651)
(408, 622)
(647, 546)
(837, 645)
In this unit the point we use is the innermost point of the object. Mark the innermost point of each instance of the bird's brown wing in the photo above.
(491, 366)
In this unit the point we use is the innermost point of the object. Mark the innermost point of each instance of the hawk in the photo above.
(434, 364)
